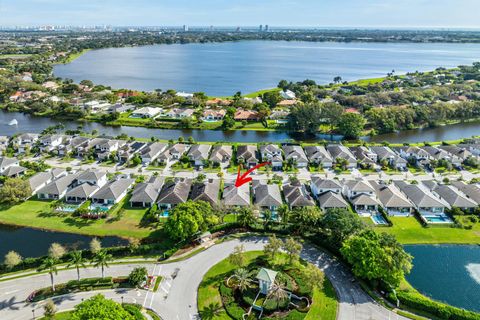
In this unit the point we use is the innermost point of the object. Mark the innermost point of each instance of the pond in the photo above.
(30, 242)
(448, 273)
(28, 123)
(221, 69)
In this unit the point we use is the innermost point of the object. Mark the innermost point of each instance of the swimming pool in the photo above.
(379, 219)
(437, 219)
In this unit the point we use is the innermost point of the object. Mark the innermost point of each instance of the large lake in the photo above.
(448, 273)
(221, 69)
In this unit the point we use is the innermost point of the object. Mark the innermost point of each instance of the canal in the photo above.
(28, 123)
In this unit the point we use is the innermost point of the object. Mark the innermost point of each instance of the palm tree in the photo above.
(284, 212)
(243, 280)
(210, 311)
(101, 259)
(277, 293)
(54, 205)
(49, 264)
(77, 261)
(246, 217)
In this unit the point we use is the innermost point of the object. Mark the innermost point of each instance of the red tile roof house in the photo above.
(246, 115)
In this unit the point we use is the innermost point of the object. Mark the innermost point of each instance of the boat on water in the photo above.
(14, 122)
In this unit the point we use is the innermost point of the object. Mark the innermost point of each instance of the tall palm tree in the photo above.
(284, 212)
(210, 311)
(77, 261)
(101, 259)
(243, 280)
(277, 293)
(50, 264)
(246, 217)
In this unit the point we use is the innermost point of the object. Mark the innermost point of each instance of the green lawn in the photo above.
(124, 222)
(324, 304)
(66, 315)
(410, 231)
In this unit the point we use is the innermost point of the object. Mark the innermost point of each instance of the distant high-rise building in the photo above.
(260, 28)
(185, 28)
(266, 28)
(239, 29)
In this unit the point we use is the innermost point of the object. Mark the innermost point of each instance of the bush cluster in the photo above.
(441, 310)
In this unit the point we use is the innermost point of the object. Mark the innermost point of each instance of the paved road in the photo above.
(176, 299)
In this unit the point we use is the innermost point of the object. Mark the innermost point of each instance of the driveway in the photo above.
(176, 299)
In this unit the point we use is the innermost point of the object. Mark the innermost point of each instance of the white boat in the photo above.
(14, 122)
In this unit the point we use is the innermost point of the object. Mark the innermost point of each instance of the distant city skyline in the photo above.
(291, 13)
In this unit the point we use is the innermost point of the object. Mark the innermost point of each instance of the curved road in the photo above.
(176, 298)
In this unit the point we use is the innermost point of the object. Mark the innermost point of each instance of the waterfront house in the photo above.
(267, 196)
(247, 155)
(287, 95)
(49, 142)
(4, 141)
(365, 156)
(296, 196)
(246, 115)
(459, 152)
(472, 191)
(393, 201)
(113, 192)
(25, 141)
(337, 151)
(273, 154)
(388, 155)
(362, 196)
(152, 151)
(81, 193)
(146, 112)
(146, 193)
(221, 154)
(173, 193)
(318, 155)
(57, 189)
(129, 150)
(419, 156)
(424, 201)
(295, 154)
(77, 145)
(92, 177)
(41, 179)
(454, 197)
(214, 115)
(198, 154)
(440, 154)
(206, 191)
(6, 163)
(236, 197)
(180, 113)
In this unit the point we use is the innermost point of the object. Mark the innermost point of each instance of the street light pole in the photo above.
(122, 299)
(33, 314)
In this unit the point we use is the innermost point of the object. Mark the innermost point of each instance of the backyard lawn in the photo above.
(410, 231)
(123, 222)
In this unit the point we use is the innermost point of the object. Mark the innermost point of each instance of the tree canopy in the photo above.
(98, 307)
(189, 218)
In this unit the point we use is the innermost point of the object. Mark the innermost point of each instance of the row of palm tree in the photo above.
(100, 259)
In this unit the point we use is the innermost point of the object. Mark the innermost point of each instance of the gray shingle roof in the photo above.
(113, 189)
(363, 199)
(206, 191)
(318, 154)
(247, 153)
(147, 191)
(199, 152)
(268, 195)
(175, 192)
(390, 196)
(59, 185)
(332, 200)
(420, 196)
(84, 190)
(296, 196)
(322, 183)
(5, 162)
(13, 171)
(471, 190)
(295, 152)
(220, 152)
(233, 196)
(454, 197)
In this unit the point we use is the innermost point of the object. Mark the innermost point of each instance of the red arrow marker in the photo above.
(241, 180)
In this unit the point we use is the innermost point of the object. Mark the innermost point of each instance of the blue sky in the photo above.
(318, 13)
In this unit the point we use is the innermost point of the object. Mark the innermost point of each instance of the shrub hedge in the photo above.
(441, 310)
(134, 310)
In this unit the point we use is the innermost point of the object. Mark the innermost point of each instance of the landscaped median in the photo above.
(221, 296)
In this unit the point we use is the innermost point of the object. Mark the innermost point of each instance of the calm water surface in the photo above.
(30, 242)
(225, 68)
(447, 273)
(28, 123)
